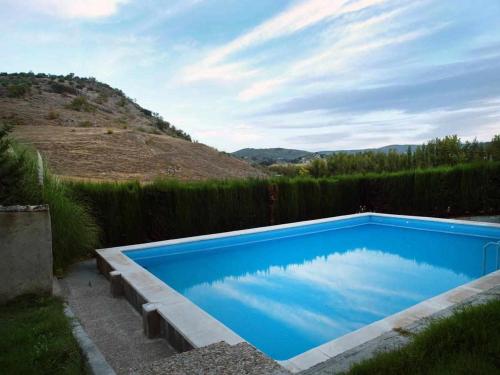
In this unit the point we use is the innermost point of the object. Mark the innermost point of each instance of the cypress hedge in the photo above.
(133, 213)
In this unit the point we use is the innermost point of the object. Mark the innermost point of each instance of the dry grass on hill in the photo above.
(86, 129)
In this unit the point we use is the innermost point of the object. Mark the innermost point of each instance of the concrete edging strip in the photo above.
(94, 359)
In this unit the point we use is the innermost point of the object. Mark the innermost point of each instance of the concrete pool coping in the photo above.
(169, 314)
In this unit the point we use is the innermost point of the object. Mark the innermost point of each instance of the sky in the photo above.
(305, 74)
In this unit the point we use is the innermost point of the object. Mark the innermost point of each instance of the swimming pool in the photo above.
(292, 289)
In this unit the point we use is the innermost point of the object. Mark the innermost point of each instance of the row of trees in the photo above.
(447, 151)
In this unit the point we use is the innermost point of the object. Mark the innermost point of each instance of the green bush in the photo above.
(61, 88)
(81, 104)
(18, 90)
(132, 213)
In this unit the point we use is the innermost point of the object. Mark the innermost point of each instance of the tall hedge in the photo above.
(132, 213)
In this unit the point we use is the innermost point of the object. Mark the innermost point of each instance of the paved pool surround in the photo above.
(168, 314)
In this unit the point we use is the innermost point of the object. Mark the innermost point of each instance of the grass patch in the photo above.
(36, 338)
(466, 343)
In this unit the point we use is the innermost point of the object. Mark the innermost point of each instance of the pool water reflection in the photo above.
(287, 294)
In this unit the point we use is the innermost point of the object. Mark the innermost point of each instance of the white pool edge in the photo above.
(198, 328)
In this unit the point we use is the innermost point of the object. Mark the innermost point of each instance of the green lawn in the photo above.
(466, 343)
(36, 338)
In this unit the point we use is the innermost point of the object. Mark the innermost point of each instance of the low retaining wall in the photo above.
(25, 251)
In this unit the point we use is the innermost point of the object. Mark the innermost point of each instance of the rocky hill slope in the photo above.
(87, 129)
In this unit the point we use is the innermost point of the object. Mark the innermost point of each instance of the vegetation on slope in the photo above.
(83, 95)
(37, 338)
(87, 130)
(468, 342)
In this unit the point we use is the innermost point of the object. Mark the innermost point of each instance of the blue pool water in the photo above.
(286, 291)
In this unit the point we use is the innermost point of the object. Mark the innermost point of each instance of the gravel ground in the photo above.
(216, 359)
(111, 323)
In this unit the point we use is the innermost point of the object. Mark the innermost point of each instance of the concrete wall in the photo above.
(25, 251)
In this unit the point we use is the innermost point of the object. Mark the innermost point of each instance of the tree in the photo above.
(318, 168)
(494, 148)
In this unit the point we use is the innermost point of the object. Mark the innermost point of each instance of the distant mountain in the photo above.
(271, 155)
(284, 155)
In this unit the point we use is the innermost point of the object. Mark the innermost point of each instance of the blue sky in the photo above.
(307, 74)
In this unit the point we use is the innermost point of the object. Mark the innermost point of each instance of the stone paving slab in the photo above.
(111, 323)
(485, 219)
(216, 359)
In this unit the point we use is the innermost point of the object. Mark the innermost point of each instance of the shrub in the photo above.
(60, 88)
(18, 90)
(53, 115)
(101, 98)
(109, 131)
(80, 103)
(122, 102)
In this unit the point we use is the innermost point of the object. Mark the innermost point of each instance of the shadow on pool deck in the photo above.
(112, 323)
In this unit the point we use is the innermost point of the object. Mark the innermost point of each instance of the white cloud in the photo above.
(239, 135)
(220, 72)
(74, 8)
(296, 18)
(340, 50)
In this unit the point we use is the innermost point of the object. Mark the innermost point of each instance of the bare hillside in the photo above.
(86, 129)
